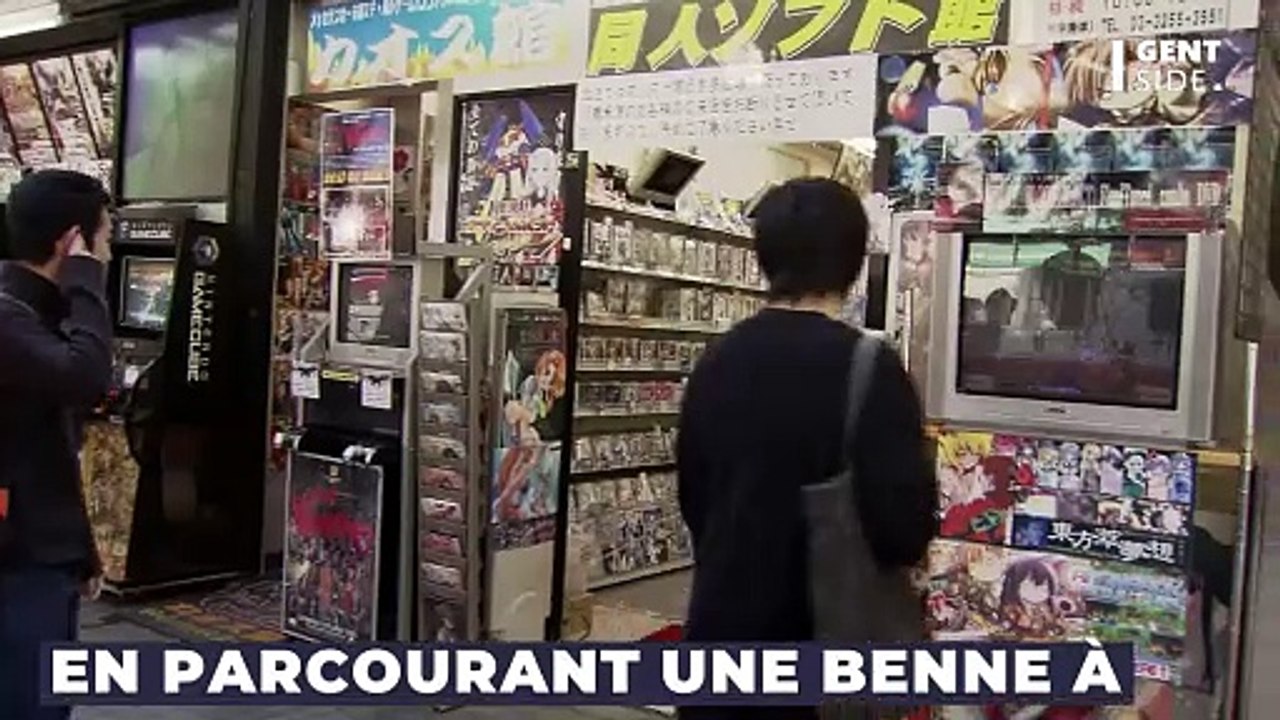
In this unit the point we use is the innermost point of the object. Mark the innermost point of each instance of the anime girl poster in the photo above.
(64, 107)
(331, 556)
(526, 470)
(96, 73)
(973, 484)
(32, 138)
(959, 90)
(508, 183)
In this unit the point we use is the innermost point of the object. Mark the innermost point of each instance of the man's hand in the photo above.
(101, 250)
(92, 588)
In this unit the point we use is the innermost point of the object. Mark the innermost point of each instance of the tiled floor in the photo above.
(98, 625)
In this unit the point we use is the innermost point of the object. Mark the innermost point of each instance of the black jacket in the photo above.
(763, 416)
(55, 364)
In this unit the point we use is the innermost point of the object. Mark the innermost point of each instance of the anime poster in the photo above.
(508, 182)
(356, 44)
(110, 481)
(302, 155)
(32, 138)
(356, 150)
(1062, 86)
(984, 592)
(331, 550)
(64, 108)
(914, 238)
(96, 73)
(1124, 504)
(534, 412)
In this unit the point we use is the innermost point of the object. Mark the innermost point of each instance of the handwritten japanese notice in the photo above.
(1042, 21)
(638, 37)
(818, 100)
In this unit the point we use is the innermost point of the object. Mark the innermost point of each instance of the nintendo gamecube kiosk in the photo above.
(348, 552)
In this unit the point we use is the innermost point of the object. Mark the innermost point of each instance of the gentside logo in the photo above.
(1162, 65)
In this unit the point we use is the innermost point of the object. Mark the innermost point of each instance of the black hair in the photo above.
(44, 205)
(810, 238)
(1027, 569)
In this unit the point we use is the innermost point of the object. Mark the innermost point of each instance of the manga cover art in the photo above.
(96, 73)
(973, 483)
(64, 108)
(508, 183)
(331, 553)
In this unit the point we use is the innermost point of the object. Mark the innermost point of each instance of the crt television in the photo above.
(1111, 335)
(146, 293)
(374, 313)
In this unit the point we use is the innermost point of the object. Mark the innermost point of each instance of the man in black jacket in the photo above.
(55, 364)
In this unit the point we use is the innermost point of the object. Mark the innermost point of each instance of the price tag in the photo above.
(304, 381)
(375, 390)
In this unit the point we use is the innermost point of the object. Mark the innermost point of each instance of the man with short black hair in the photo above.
(55, 364)
(764, 416)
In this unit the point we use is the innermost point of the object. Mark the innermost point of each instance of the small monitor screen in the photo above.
(375, 304)
(146, 291)
(1073, 320)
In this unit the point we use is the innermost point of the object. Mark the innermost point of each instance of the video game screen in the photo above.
(146, 292)
(1084, 320)
(375, 305)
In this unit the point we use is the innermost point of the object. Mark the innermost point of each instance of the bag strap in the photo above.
(866, 352)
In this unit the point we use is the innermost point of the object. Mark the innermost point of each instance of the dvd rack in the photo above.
(452, 484)
(655, 291)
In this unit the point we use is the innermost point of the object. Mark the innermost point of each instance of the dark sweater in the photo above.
(763, 415)
(55, 363)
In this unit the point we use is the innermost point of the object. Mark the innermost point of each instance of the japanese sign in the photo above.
(1094, 541)
(818, 100)
(1067, 85)
(360, 43)
(507, 188)
(634, 37)
(1040, 21)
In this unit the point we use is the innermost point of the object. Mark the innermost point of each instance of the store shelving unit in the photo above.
(655, 290)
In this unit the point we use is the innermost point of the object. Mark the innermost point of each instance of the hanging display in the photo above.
(507, 189)
(356, 158)
(355, 44)
(637, 37)
(1063, 86)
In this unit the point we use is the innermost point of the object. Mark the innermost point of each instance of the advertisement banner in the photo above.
(1045, 21)
(356, 43)
(507, 190)
(1071, 85)
(638, 37)
(817, 100)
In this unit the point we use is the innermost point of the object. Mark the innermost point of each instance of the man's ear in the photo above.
(63, 245)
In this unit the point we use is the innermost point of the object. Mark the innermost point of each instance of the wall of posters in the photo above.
(331, 550)
(356, 182)
(1062, 86)
(507, 191)
(636, 37)
(355, 44)
(818, 100)
(535, 414)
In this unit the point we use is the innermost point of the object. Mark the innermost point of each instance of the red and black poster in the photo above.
(331, 550)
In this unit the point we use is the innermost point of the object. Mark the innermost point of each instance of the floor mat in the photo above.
(239, 612)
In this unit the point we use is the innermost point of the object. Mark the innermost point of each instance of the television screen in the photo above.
(375, 304)
(178, 110)
(1073, 320)
(146, 291)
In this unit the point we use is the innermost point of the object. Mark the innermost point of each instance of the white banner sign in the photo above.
(826, 99)
(1034, 22)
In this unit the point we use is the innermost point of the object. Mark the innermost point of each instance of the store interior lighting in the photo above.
(35, 19)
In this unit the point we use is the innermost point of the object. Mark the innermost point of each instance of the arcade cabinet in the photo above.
(166, 500)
